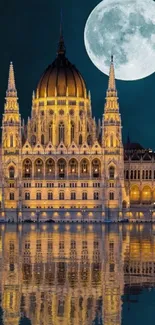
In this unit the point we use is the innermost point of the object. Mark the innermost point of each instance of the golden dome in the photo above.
(61, 78)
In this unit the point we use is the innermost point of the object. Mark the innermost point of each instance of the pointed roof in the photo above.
(11, 91)
(61, 45)
(111, 83)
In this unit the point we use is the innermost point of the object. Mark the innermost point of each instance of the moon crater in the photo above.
(126, 29)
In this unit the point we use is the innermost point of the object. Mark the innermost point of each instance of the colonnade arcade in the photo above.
(61, 168)
(144, 195)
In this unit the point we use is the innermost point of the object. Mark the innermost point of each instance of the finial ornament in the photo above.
(11, 91)
(61, 45)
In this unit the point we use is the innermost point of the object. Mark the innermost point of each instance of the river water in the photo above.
(77, 275)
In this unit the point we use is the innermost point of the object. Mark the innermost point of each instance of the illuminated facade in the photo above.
(62, 159)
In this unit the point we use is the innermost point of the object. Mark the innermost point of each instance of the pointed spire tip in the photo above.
(111, 83)
(11, 91)
(61, 45)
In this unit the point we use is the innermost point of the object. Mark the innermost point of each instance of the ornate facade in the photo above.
(63, 159)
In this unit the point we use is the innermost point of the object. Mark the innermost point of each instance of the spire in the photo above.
(112, 84)
(61, 44)
(11, 91)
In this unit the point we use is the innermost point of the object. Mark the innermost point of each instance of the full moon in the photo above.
(126, 30)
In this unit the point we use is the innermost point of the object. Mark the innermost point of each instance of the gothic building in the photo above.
(62, 159)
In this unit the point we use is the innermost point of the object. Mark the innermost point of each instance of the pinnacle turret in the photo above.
(112, 83)
(11, 91)
(61, 44)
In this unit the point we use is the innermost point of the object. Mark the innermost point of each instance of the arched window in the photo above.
(84, 167)
(38, 168)
(80, 139)
(11, 172)
(111, 141)
(27, 168)
(51, 132)
(89, 140)
(73, 167)
(11, 140)
(72, 131)
(33, 140)
(61, 168)
(50, 167)
(61, 132)
(42, 139)
(127, 174)
(111, 172)
(96, 166)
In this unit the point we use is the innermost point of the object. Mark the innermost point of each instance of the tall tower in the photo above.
(11, 146)
(113, 154)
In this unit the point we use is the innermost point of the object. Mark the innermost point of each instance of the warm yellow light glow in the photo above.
(33, 227)
(44, 227)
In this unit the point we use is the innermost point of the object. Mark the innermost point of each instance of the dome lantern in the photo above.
(61, 78)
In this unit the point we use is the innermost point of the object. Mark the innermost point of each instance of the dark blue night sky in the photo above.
(29, 32)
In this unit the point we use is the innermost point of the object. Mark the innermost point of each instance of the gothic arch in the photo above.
(27, 168)
(50, 130)
(96, 167)
(72, 131)
(80, 139)
(112, 172)
(61, 165)
(33, 140)
(89, 140)
(84, 167)
(61, 132)
(42, 139)
(135, 194)
(12, 172)
(38, 168)
(146, 194)
(73, 167)
(50, 167)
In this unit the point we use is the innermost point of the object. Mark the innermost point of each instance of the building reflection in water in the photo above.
(73, 274)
